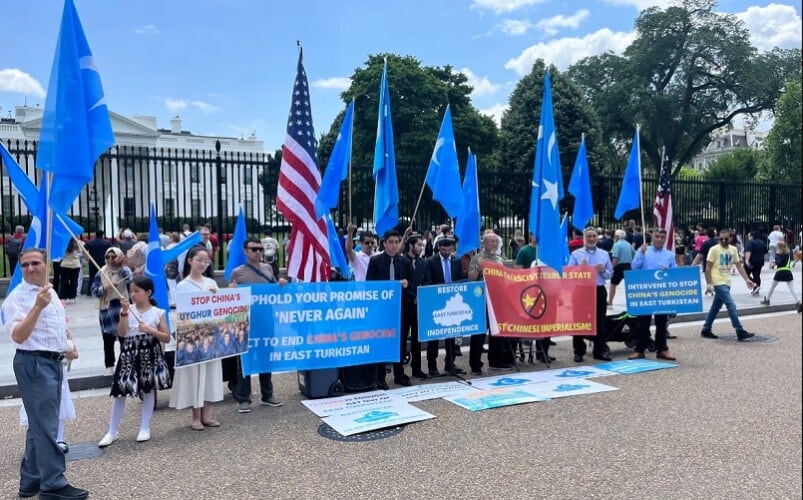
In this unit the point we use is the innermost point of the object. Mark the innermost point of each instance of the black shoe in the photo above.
(743, 335)
(478, 371)
(602, 357)
(578, 358)
(544, 359)
(671, 337)
(434, 372)
(455, 370)
(66, 492)
(505, 367)
(420, 375)
(708, 334)
(28, 493)
(382, 385)
(403, 380)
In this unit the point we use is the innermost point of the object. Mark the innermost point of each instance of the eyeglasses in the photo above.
(256, 249)
(369, 243)
(724, 239)
(26, 265)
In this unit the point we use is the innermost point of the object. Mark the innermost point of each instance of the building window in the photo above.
(128, 172)
(248, 176)
(129, 207)
(195, 173)
(248, 209)
(169, 208)
(195, 208)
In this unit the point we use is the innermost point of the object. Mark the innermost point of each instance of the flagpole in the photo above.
(640, 189)
(48, 226)
(350, 147)
(418, 203)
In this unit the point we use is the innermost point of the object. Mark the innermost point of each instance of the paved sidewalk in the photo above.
(87, 371)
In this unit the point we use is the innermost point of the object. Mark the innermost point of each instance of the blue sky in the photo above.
(227, 66)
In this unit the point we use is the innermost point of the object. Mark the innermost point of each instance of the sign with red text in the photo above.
(537, 302)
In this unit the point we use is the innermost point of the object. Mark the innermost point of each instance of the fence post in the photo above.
(221, 181)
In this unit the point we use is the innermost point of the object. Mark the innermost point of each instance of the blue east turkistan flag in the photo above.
(236, 252)
(76, 128)
(336, 253)
(469, 223)
(564, 237)
(443, 174)
(36, 237)
(630, 196)
(386, 194)
(580, 188)
(338, 167)
(155, 266)
(547, 187)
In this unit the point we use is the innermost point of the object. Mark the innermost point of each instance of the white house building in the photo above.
(725, 143)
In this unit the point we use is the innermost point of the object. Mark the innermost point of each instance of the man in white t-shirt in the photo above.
(774, 237)
(359, 260)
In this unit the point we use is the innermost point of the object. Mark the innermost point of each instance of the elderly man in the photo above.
(600, 260)
(654, 256)
(36, 322)
(622, 255)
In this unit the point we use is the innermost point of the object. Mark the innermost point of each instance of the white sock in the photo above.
(147, 410)
(118, 408)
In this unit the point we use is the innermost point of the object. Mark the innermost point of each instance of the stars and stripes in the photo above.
(299, 182)
(662, 211)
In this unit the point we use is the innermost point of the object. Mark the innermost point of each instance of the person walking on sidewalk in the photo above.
(783, 273)
(754, 253)
(720, 260)
(653, 257)
(253, 272)
(36, 322)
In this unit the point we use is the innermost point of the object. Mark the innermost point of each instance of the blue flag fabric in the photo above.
(547, 188)
(155, 267)
(336, 253)
(580, 187)
(30, 196)
(236, 255)
(386, 194)
(443, 174)
(36, 237)
(76, 128)
(630, 197)
(338, 167)
(182, 246)
(564, 238)
(469, 223)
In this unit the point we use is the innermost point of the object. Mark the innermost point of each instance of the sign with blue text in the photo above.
(451, 310)
(663, 291)
(309, 326)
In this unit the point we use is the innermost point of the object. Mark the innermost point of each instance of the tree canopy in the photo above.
(783, 154)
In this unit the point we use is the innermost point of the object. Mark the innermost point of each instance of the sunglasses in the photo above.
(35, 263)
(369, 243)
(256, 249)
(724, 239)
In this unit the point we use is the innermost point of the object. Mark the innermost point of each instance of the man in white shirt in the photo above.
(774, 237)
(359, 260)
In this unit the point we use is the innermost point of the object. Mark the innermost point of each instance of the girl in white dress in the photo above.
(141, 367)
(199, 383)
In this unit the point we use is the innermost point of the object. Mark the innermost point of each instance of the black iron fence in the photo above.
(194, 187)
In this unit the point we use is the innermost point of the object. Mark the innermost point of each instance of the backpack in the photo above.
(14, 246)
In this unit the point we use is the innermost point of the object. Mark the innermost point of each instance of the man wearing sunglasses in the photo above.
(36, 322)
(721, 259)
(359, 260)
(254, 271)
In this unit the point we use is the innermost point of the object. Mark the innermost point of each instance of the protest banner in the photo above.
(310, 326)
(663, 291)
(350, 403)
(395, 412)
(537, 302)
(451, 310)
(212, 326)
(495, 398)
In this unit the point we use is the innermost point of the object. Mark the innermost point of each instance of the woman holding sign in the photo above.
(200, 383)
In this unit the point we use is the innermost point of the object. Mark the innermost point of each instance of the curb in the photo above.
(104, 381)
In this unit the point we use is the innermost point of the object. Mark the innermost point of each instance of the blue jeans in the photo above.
(722, 295)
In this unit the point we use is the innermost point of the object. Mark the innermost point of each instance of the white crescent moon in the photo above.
(659, 274)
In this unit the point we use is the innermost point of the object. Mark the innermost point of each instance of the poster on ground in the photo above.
(380, 417)
(562, 388)
(496, 398)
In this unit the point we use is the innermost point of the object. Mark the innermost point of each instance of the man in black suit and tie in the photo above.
(443, 268)
(385, 266)
(413, 270)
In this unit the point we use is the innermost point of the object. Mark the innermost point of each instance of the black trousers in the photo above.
(108, 349)
(754, 272)
(475, 352)
(600, 345)
(410, 324)
(643, 332)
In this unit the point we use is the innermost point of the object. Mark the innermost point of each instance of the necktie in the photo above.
(392, 273)
(447, 271)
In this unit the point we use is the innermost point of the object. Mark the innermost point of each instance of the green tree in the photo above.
(740, 166)
(689, 73)
(783, 143)
(573, 116)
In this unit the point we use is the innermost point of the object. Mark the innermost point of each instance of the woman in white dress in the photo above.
(197, 384)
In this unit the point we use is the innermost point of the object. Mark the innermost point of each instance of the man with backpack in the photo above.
(13, 248)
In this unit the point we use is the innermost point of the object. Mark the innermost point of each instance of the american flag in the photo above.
(299, 182)
(662, 212)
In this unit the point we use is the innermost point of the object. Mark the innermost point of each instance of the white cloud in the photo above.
(495, 111)
(514, 27)
(482, 85)
(563, 52)
(174, 105)
(335, 82)
(147, 30)
(642, 4)
(20, 82)
(773, 26)
(502, 6)
(552, 25)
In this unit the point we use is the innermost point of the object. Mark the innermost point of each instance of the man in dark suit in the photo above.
(96, 247)
(413, 270)
(443, 268)
(385, 266)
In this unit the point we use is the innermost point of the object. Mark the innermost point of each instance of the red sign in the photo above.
(537, 302)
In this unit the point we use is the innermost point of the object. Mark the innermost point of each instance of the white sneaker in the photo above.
(109, 371)
(108, 439)
(144, 435)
